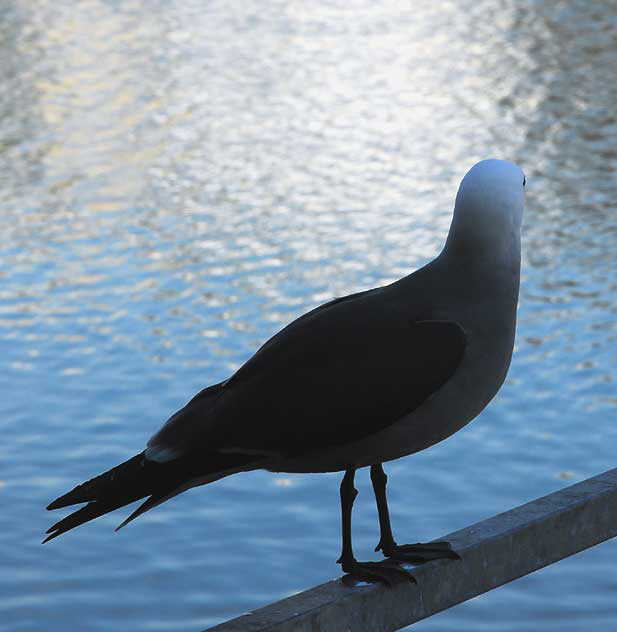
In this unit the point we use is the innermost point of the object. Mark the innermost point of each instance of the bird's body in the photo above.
(359, 381)
(457, 344)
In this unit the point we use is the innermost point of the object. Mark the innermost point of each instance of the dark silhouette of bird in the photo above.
(361, 380)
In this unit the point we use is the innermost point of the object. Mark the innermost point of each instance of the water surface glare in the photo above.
(178, 180)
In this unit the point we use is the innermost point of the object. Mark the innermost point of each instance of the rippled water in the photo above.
(180, 179)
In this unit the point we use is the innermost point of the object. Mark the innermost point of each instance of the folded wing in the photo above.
(336, 375)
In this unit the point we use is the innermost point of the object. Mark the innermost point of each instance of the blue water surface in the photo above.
(178, 180)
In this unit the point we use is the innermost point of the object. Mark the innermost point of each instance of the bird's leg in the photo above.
(364, 571)
(415, 553)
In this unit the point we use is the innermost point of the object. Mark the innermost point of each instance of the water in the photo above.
(180, 179)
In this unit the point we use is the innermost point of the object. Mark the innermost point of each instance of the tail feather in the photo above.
(103, 485)
(148, 504)
(135, 479)
(91, 511)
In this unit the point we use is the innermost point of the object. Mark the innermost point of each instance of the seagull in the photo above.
(359, 381)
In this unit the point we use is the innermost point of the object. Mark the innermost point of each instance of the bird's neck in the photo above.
(482, 251)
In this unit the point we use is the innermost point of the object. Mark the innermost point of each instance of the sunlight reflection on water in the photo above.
(179, 181)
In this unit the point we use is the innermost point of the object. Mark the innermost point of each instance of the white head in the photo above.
(489, 211)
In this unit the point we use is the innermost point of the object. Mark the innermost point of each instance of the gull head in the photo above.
(489, 211)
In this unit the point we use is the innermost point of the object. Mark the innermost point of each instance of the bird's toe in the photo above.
(384, 572)
(420, 552)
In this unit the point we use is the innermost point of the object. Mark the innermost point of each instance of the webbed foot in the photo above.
(386, 572)
(418, 553)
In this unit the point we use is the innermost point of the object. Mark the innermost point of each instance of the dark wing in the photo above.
(336, 375)
(298, 326)
(178, 433)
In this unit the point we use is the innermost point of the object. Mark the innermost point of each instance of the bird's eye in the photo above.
(524, 180)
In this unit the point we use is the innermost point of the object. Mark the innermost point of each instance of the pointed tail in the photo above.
(137, 478)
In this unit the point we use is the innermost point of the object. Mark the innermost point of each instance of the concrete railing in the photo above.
(493, 552)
